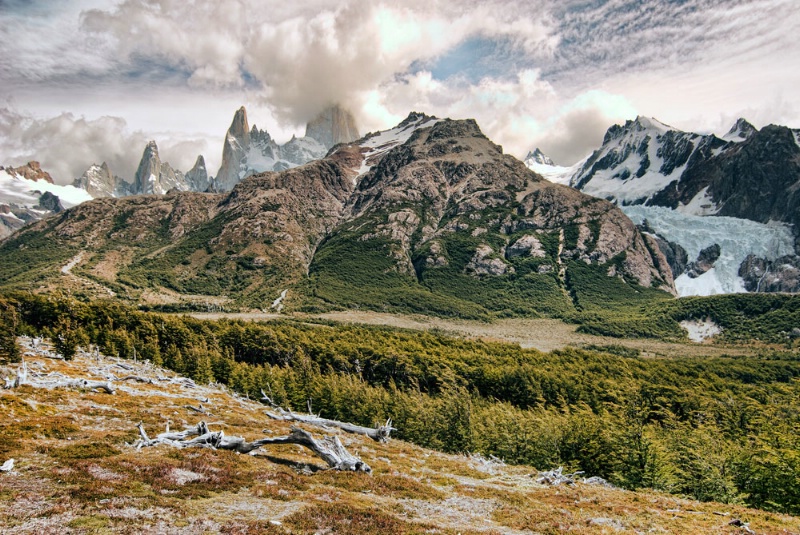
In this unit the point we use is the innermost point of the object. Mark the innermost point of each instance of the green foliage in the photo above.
(9, 323)
(722, 429)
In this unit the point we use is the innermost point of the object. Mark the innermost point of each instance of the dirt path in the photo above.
(541, 334)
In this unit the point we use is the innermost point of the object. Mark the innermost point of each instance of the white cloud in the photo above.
(66, 145)
(561, 74)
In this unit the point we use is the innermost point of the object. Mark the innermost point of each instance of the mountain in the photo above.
(539, 163)
(430, 216)
(749, 174)
(155, 176)
(248, 151)
(98, 181)
(27, 194)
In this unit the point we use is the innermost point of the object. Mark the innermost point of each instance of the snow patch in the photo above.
(24, 192)
(554, 173)
(736, 237)
(382, 143)
(700, 330)
(701, 205)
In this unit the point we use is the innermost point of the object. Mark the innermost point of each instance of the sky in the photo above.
(86, 81)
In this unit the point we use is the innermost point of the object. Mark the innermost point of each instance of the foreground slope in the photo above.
(430, 216)
(74, 472)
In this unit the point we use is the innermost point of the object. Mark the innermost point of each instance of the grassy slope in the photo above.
(74, 472)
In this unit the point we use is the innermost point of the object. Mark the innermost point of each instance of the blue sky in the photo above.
(84, 81)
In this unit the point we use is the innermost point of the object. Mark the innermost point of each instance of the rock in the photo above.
(30, 171)
(51, 202)
(676, 256)
(333, 126)
(483, 264)
(197, 177)
(527, 245)
(705, 261)
(155, 176)
(762, 275)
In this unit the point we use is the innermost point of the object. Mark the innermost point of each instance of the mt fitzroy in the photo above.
(429, 216)
(726, 211)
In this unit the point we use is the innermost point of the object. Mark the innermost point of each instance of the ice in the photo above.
(736, 237)
(24, 192)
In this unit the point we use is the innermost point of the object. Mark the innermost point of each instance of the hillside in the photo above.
(428, 217)
(75, 472)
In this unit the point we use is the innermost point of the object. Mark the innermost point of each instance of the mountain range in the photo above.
(429, 216)
(714, 215)
(725, 211)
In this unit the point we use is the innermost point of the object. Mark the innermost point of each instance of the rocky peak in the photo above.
(30, 171)
(239, 129)
(98, 181)
(149, 169)
(740, 131)
(333, 126)
(197, 177)
(537, 156)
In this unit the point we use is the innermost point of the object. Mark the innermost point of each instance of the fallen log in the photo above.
(379, 434)
(330, 449)
(57, 381)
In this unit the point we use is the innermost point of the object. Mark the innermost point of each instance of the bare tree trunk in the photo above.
(379, 434)
(330, 449)
(59, 381)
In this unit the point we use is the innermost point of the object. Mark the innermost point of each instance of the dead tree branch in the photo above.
(330, 449)
(379, 434)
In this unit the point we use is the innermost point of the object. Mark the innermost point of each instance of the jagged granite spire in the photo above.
(333, 126)
(234, 150)
(197, 177)
(146, 178)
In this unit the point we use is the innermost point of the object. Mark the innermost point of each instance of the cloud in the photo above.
(533, 72)
(66, 145)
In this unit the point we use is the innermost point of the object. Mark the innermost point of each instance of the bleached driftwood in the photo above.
(330, 449)
(379, 434)
(7, 466)
(57, 381)
(557, 477)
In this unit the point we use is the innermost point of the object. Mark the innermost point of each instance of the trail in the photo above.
(66, 269)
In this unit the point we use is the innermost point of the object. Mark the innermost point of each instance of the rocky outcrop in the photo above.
(705, 261)
(50, 202)
(761, 275)
(234, 152)
(676, 256)
(30, 171)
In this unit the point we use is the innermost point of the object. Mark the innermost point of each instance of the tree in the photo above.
(67, 337)
(9, 322)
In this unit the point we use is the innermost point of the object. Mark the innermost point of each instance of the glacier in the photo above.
(737, 238)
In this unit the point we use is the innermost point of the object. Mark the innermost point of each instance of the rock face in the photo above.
(538, 157)
(762, 275)
(333, 126)
(155, 176)
(98, 181)
(30, 171)
(197, 177)
(249, 151)
(430, 216)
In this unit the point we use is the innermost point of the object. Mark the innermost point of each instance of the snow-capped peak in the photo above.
(536, 156)
(740, 131)
(649, 123)
(375, 145)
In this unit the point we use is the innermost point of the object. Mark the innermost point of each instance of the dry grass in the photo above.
(75, 472)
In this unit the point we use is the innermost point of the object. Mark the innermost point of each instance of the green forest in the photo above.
(723, 429)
